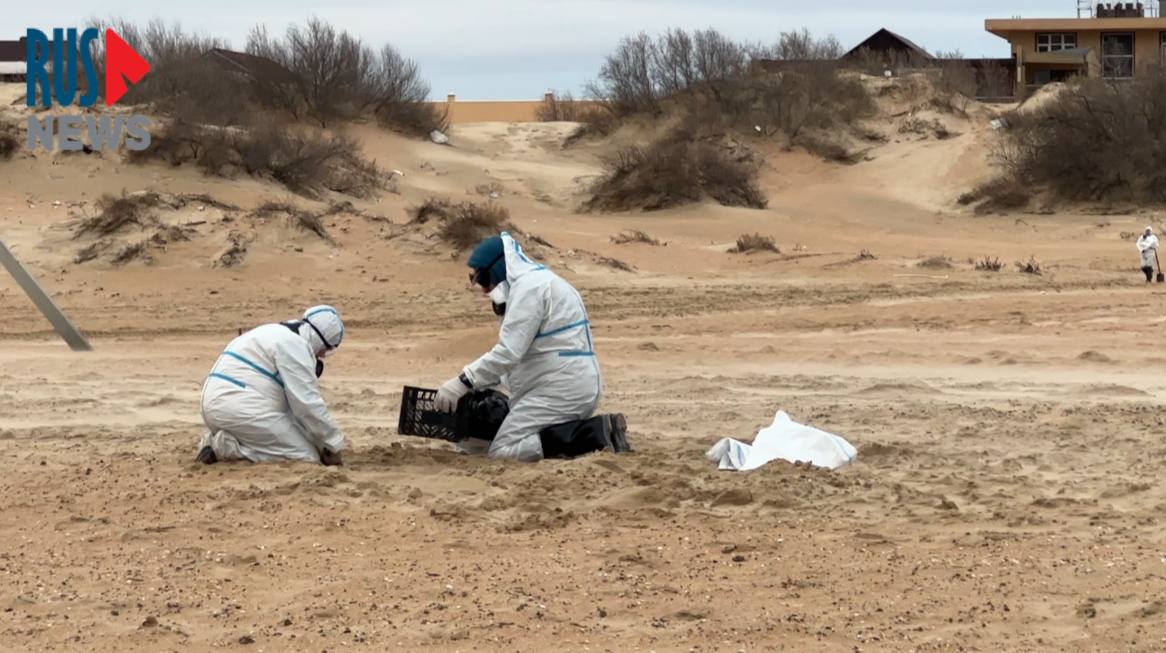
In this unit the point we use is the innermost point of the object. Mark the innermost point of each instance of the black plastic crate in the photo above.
(420, 417)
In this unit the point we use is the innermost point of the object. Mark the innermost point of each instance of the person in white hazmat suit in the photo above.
(261, 401)
(1148, 249)
(545, 358)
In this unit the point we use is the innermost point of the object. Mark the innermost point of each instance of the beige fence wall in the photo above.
(461, 111)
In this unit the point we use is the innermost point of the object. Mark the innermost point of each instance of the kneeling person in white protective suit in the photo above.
(544, 356)
(262, 400)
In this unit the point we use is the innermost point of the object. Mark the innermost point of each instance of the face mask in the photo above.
(498, 297)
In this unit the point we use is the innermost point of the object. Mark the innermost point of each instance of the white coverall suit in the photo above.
(262, 399)
(544, 356)
(1148, 250)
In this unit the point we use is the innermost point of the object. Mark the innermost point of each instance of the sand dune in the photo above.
(1006, 494)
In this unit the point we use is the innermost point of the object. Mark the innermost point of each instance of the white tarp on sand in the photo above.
(787, 440)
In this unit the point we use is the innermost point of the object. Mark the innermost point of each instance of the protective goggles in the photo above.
(481, 276)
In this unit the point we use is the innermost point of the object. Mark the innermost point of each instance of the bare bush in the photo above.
(297, 217)
(1096, 141)
(398, 96)
(674, 170)
(567, 109)
(807, 95)
(305, 161)
(1031, 266)
(117, 213)
(829, 146)
(10, 140)
(804, 46)
(988, 264)
(935, 263)
(866, 255)
(749, 243)
(625, 78)
(468, 223)
(634, 236)
(999, 195)
(431, 207)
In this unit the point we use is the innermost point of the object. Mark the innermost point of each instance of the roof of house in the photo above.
(13, 50)
(1002, 26)
(906, 42)
(253, 65)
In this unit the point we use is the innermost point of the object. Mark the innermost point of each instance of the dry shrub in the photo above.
(300, 218)
(866, 255)
(468, 223)
(674, 170)
(935, 263)
(749, 243)
(1031, 266)
(130, 252)
(925, 127)
(234, 253)
(1095, 141)
(9, 140)
(567, 109)
(634, 236)
(613, 263)
(724, 85)
(826, 145)
(999, 195)
(306, 161)
(310, 162)
(988, 264)
(431, 207)
(117, 213)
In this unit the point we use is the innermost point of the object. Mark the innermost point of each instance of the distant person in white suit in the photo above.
(1148, 249)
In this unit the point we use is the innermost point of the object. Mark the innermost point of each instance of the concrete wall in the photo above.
(462, 111)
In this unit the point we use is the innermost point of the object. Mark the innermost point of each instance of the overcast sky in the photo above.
(512, 49)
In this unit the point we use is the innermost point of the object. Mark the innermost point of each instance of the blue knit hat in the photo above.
(488, 255)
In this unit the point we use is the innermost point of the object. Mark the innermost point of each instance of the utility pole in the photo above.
(44, 303)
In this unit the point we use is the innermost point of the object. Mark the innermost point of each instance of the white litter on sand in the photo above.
(786, 440)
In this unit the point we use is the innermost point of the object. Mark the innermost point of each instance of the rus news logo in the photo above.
(56, 68)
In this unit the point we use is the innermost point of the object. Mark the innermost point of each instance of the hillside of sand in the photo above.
(1006, 497)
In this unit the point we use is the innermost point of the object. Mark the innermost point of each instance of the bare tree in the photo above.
(804, 46)
(673, 62)
(625, 81)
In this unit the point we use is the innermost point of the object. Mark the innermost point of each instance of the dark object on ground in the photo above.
(480, 414)
(207, 456)
(1161, 277)
(581, 437)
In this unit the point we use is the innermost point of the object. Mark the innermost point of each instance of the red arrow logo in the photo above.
(121, 63)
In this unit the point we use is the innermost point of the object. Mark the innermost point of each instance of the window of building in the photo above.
(1054, 42)
(1117, 56)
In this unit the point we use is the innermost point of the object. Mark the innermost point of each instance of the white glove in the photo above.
(449, 393)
